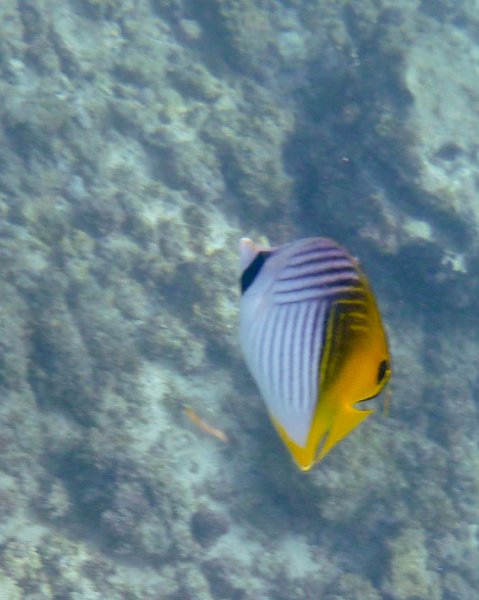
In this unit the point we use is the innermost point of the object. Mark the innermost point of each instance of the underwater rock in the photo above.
(58, 349)
(140, 140)
(165, 337)
(411, 576)
(129, 505)
(208, 525)
(10, 589)
(219, 581)
(56, 503)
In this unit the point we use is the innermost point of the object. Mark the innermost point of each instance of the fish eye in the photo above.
(382, 370)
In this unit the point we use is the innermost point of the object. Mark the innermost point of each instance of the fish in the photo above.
(313, 340)
(219, 434)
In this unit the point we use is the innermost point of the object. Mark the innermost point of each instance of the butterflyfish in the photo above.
(312, 337)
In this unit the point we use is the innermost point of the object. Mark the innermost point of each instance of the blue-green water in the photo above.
(139, 141)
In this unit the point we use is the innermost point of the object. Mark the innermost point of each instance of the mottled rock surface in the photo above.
(140, 140)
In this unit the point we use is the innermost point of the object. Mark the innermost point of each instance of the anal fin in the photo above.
(342, 424)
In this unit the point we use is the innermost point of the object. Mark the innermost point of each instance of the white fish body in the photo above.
(286, 309)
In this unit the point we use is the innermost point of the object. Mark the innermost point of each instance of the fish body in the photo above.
(204, 426)
(313, 340)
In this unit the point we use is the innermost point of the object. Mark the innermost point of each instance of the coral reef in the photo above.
(140, 140)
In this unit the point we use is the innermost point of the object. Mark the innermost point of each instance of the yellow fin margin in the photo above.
(331, 428)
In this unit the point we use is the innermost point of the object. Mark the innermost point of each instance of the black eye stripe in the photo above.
(249, 274)
(382, 370)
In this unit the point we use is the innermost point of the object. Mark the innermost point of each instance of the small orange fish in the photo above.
(204, 426)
